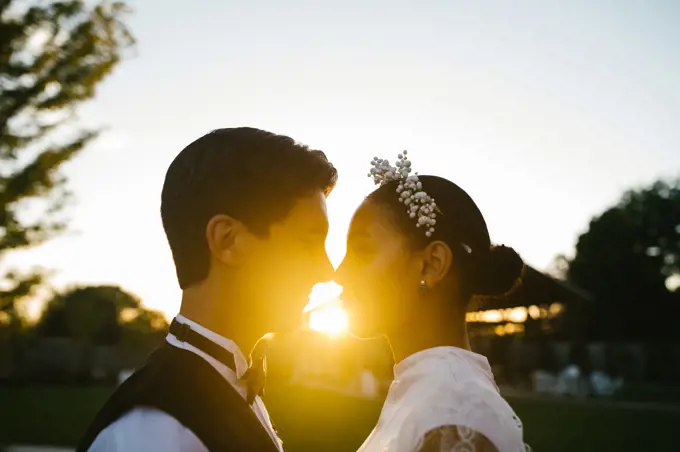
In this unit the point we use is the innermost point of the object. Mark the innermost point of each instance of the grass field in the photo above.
(316, 420)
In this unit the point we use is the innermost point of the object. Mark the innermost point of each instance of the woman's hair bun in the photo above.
(499, 272)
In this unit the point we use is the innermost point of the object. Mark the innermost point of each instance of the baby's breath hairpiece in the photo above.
(418, 203)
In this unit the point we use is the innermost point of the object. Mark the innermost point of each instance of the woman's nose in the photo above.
(325, 271)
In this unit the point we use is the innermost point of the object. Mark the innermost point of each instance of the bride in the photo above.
(418, 250)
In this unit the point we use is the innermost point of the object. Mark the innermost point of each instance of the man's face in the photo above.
(282, 268)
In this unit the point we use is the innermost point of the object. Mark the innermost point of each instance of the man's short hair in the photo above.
(252, 175)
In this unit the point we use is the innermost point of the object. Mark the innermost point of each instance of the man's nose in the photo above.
(340, 273)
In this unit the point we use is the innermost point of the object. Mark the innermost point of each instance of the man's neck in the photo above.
(220, 314)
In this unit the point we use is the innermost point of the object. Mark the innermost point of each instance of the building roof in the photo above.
(539, 288)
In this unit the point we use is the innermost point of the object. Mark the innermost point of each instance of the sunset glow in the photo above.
(323, 293)
(325, 310)
(329, 319)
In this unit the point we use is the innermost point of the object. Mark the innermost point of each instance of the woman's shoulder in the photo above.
(464, 399)
(469, 405)
(446, 389)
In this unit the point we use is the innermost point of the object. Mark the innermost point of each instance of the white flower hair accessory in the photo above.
(419, 205)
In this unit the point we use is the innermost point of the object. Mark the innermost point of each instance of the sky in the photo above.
(544, 111)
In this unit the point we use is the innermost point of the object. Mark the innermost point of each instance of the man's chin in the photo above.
(287, 326)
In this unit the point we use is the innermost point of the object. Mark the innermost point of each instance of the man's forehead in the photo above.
(310, 209)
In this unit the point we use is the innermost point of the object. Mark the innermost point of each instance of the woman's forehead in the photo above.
(371, 219)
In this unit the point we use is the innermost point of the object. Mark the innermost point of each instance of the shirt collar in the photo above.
(229, 345)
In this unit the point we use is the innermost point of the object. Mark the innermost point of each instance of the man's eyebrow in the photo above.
(318, 229)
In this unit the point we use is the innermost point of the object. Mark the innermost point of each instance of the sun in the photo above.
(329, 319)
(325, 310)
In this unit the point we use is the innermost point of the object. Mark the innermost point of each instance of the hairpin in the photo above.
(419, 205)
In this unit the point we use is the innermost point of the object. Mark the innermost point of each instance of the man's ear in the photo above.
(437, 260)
(226, 239)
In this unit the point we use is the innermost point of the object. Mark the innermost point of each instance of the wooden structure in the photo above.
(540, 306)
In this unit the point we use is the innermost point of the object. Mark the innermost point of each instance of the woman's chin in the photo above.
(364, 332)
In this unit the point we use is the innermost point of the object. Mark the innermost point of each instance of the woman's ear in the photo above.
(226, 238)
(437, 260)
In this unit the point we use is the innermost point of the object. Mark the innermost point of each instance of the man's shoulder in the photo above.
(148, 417)
(175, 391)
(143, 429)
(178, 374)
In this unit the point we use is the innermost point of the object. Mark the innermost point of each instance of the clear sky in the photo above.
(544, 111)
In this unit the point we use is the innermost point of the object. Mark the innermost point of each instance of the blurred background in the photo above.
(559, 118)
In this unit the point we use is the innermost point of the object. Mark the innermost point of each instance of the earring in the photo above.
(423, 286)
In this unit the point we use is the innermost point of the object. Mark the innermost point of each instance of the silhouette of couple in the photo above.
(244, 211)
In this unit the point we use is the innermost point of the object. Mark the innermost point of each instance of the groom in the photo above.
(244, 212)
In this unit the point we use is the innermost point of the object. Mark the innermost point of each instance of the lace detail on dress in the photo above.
(455, 438)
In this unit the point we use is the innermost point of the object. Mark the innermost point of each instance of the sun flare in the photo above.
(325, 310)
(329, 319)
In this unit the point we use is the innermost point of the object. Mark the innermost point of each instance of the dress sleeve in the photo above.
(448, 438)
(460, 416)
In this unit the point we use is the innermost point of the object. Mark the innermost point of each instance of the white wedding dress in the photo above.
(445, 399)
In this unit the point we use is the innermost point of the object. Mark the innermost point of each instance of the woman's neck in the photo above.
(429, 333)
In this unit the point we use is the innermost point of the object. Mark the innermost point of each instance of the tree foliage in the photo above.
(53, 56)
(100, 315)
(625, 259)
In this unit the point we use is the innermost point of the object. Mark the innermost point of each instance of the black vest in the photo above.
(185, 386)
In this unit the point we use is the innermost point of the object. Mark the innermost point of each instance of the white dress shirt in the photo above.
(440, 387)
(146, 429)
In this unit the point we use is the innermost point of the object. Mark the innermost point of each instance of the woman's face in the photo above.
(380, 274)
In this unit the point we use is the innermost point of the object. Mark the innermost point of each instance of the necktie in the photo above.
(256, 375)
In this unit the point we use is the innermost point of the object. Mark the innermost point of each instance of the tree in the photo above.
(53, 56)
(625, 260)
(93, 316)
(143, 329)
(99, 315)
